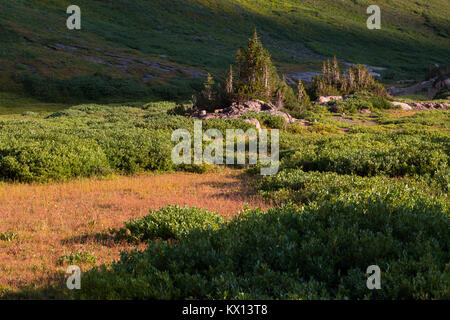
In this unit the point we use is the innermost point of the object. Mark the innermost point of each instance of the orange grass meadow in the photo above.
(57, 219)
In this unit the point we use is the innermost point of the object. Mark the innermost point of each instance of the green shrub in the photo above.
(370, 154)
(53, 158)
(135, 150)
(352, 105)
(172, 222)
(223, 124)
(266, 119)
(381, 103)
(8, 236)
(316, 252)
(305, 187)
(78, 257)
(444, 93)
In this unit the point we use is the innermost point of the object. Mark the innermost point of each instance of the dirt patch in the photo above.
(56, 219)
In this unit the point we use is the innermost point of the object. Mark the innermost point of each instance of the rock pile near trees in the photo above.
(237, 109)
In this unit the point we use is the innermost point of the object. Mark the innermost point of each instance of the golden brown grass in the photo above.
(402, 113)
(59, 218)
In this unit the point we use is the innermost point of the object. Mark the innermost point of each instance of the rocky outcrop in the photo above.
(237, 109)
(429, 87)
(326, 100)
(430, 105)
(255, 122)
(404, 106)
(422, 105)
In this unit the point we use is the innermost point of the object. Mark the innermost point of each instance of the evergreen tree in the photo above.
(302, 96)
(332, 82)
(253, 77)
(208, 88)
(229, 82)
(336, 72)
(256, 74)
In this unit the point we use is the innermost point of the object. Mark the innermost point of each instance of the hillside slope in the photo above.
(163, 43)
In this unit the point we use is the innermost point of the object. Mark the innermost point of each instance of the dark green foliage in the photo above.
(88, 140)
(317, 252)
(370, 155)
(360, 101)
(256, 78)
(351, 105)
(8, 236)
(381, 103)
(439, 72)
(96, 140)
(50, 157)
(306, 187)
(302, 97)
(444, 93)
(77, 257)
(223, 124)
(266, 119)
(100, 88)
(172, 222)
(135, 150)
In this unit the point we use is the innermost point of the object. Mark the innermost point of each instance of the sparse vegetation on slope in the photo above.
(157, 42)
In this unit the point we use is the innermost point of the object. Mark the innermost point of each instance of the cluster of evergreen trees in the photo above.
(253, 77)
(333, 82)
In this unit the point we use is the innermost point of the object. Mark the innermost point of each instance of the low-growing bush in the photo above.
(78, 257)
(172, 222)
(53, 158)
(315, 252)
(351, 105)
(266, 119)
(305, 187)
(8, 236)
(370, 155)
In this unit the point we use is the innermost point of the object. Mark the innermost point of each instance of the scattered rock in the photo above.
(255, 122)
(422, 105)
(325, 100)
(427, 87)
(430, 105)
(367, 111)
(236, 110)
(404, 106)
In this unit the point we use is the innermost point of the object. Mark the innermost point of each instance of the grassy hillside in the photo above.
(163, 43)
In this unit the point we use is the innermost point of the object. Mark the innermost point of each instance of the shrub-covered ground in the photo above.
(92, 140)
(353, 190)
(313, 252)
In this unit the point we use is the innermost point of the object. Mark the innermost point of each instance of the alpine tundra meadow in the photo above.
(220, 158)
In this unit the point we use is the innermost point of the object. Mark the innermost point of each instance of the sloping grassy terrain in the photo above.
(161, 42)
